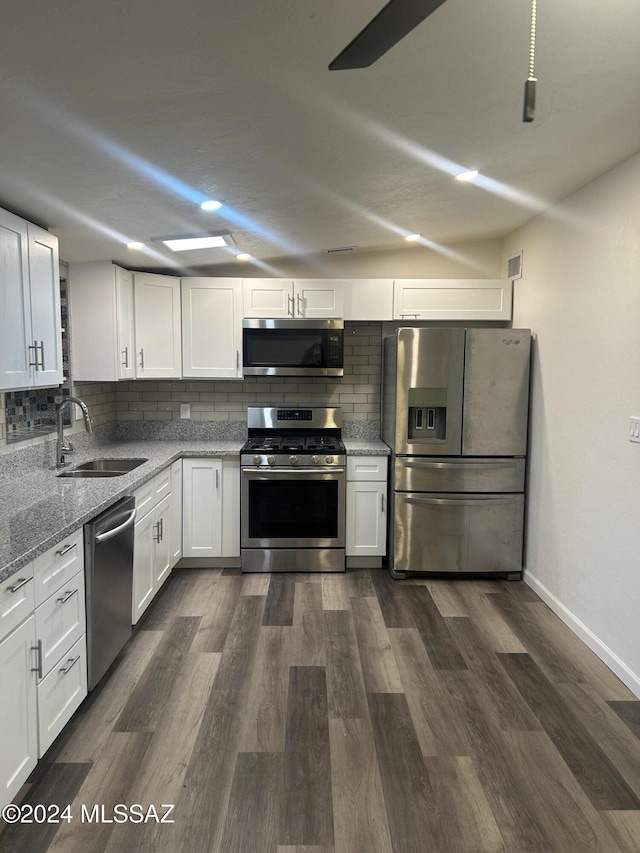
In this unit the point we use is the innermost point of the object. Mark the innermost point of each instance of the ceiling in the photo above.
(118, 118)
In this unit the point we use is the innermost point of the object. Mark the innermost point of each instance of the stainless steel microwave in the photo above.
(293, 347)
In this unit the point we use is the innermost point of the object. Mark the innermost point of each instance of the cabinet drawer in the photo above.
(58, 565)
(162, 484)
(61, 621)
(17, 599)
(145, 498)
(366, 467)
(60, 694)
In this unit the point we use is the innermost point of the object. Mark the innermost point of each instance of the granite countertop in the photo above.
(38, 509)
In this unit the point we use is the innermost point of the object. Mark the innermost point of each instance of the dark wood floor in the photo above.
(348, 714)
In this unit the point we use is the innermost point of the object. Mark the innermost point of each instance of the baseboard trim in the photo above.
(606, 655)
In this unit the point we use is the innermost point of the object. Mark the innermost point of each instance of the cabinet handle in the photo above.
(20, 583)
(291, 306)
(142, 358)
(161, 523)
(66, 549)
(217, 479)
(33, 347)
(237, 359)
(70, 664)
(41, 348)
(156, 536)
(415, 316)
(382, 504)
(38, 650)
(300, 306)
(125, 353)
(64, 598)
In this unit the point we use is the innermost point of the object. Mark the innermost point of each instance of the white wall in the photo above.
(580, 294)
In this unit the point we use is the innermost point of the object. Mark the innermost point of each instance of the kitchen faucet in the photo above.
(61, 448)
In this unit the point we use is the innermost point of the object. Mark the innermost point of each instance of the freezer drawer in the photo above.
(459, 474)
(458, 533)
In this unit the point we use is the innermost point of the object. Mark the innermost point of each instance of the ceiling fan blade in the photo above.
(391, 24)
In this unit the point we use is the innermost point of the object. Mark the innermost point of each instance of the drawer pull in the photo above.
(20, 583)
(70, 664)
(38, 650)
(65, 550)
(67, 595)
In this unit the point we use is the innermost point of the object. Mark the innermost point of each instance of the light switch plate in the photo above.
(634, 429)
(185, 410)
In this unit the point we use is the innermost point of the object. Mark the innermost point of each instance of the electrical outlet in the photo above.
(185, 410)
(634, 429)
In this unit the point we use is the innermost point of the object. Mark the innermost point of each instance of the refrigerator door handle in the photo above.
(479, 501)
(463, 463)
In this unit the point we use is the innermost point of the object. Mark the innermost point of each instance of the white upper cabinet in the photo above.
(30, 325)
(212, 328)
(299, 299)
(101, 303)
(368, 299)
(452, 299)
(157, 326)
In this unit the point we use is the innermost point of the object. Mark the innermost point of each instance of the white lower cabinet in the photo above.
(18, 709)
(156, 535)
(43, 658)
(211, 507)
(176, 512)
(366, 506)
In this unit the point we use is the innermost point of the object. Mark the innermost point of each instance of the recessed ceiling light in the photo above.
(211, 205)
(190, 242)
(243, 256)
(471, 175)
(134, 244)
(413, 238)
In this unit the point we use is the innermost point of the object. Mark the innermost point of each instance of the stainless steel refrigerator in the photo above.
(455, 414)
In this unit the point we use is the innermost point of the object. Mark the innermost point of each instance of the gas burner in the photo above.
(273, 440)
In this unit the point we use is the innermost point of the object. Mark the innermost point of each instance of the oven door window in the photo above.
(293, 509)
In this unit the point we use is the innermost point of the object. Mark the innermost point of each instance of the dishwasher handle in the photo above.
(109, 534)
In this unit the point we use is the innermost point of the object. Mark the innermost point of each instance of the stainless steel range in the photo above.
(292, 491)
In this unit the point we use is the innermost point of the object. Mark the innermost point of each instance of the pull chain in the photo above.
(530, 84)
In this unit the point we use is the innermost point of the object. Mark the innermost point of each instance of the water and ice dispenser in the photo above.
(427, 421)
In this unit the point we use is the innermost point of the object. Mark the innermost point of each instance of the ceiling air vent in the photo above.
(514, 267)
(341, 249)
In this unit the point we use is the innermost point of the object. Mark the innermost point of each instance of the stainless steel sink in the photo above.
(104, 468)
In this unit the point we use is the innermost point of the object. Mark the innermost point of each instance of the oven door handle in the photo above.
(255, 474)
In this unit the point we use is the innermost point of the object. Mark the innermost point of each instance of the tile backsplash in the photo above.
(357, 393)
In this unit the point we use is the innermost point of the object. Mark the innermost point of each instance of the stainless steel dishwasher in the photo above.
(108, 553)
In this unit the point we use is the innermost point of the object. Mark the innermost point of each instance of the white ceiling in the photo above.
(118, 117)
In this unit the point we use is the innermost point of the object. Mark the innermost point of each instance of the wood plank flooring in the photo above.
(347, 714)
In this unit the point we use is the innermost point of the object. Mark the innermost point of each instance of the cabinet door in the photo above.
(163, 543)
(176, 511)
(46, 326)
(268, 297)
(366, 519)
(452, 299)
(15, 310)
(212, 328)
(18, 710)
(143, 564)
(368, 299)
(124, 323)
(202, 508)
(318, 298)
(157, 326)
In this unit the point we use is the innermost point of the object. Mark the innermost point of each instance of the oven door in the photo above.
(292, 508)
